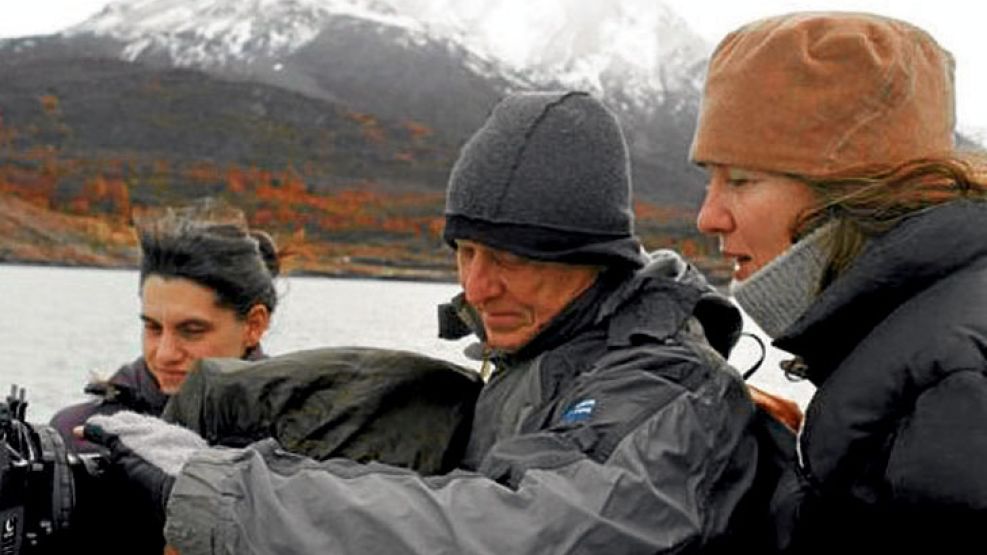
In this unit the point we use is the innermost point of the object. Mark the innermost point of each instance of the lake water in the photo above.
(58, 326)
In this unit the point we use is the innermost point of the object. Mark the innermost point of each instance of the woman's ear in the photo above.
(258, 319)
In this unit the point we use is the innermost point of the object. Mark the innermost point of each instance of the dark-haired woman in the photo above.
(206, 290)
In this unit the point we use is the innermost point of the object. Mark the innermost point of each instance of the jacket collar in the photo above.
(659, 299)
(132, 386)
(926, 246)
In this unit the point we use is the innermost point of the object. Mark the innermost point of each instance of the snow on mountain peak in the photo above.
(583, 43)
(211, 32)
(639, 47)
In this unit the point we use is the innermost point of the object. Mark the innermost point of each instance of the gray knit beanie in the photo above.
(547, 178)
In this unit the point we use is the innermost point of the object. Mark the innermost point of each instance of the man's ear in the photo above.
(258, 320)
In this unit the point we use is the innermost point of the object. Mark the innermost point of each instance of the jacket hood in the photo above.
(681, 291)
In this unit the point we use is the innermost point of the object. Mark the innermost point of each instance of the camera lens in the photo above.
(57, 474)
(41, 485)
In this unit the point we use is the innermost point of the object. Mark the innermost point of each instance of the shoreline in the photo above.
(382, 272)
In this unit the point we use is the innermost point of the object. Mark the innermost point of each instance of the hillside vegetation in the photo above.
(87, 145)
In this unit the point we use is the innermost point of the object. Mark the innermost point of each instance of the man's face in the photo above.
(183, 323)
(516, 297)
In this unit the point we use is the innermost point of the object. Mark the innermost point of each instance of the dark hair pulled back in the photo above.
(210, 244)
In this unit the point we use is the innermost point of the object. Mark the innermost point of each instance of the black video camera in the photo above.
(41, 483)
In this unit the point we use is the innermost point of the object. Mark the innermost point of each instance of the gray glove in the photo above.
(146, 453)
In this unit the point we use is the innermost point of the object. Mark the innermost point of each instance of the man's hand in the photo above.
(146, 454)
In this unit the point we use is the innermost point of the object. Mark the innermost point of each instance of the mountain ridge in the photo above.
(440, 67)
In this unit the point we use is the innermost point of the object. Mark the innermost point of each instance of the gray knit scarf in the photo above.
(779, 293)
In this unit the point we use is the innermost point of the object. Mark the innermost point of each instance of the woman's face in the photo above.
(183, 323)
(753, 213)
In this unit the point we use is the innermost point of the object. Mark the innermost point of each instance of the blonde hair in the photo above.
(867, 202)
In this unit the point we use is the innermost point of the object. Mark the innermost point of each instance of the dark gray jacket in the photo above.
(895, 438)
(618, 430)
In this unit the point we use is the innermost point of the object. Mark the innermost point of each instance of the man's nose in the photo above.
(481, 279)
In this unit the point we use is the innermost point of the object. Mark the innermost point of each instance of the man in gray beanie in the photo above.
(611, 424)
(611, 416)
(547, 178)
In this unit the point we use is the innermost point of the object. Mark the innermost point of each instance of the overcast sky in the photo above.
(956, 24)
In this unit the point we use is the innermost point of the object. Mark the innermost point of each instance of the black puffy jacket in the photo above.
(894, 445)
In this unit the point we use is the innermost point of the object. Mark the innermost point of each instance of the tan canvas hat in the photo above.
(815, 94)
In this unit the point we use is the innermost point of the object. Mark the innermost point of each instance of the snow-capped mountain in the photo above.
(214, 33)
(360, 52)
(443, 63)
(218, 33)
(639, 47)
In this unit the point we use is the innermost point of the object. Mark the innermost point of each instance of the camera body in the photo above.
(41, 483)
